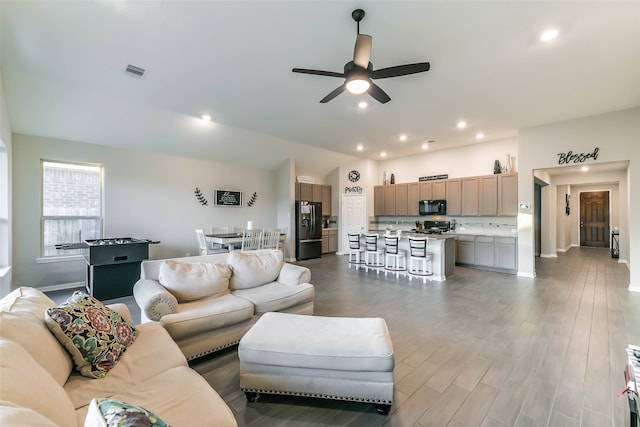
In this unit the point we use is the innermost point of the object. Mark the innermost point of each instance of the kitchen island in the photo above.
(442, 246)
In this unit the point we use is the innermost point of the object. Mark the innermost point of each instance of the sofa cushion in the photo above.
(206, 315)
(94, 335)
(180, 396)
(153, 353)
(193, 281)
(15, 415)
(22, 320)
(113, 413)
(275, 296)
(254, 268)
(25, 383)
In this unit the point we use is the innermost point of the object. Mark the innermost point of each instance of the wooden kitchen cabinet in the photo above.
(413, 198)
(389, 199)
(326, 200)
(401, 199)
(488, 195)
(378, 200)
(454, 196)
(466, 253)
(484, 252)
(316, 195)
(506, 253)
(305, 191)
(439, 190)
(470, 196)
(508, 194)
(426, 190)
(329, 241)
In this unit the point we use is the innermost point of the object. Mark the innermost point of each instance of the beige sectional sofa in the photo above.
(40, 387)
(208, 302)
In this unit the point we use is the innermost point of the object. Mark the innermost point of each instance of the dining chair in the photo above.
(270, 239)
(251, 240)
(373, 254)
(202, 244)
(420, 260)
(219, 230)
(395, 259)
(356, 251)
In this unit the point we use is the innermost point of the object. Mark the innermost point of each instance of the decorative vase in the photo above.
(496, 167)
(393, 179)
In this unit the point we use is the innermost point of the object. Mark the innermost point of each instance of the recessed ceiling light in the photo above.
(403, 137)
(549, 35)
(360, 147)
(383, 154)
(462, 124)
(584, 168)
(479, 135)
(362, 104)
(206, 117)
(425, 146)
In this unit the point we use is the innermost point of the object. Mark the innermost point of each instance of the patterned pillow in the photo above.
(94, 335)
(112, 413)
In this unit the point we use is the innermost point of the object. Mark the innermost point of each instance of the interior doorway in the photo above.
(594, 219)
(353, 218)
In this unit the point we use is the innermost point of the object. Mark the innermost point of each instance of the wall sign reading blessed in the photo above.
(571, 157)
(433, 177)
(227, 198)
(355, 189)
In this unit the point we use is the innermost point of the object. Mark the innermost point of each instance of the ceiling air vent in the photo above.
(136, 71)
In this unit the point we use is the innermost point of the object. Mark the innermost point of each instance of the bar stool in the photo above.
(356, 251)
(373, 255)
(395, 260)
(418, 255)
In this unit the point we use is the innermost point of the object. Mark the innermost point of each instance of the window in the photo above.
(71, 205)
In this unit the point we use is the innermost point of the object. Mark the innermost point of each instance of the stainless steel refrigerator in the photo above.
(308, 230)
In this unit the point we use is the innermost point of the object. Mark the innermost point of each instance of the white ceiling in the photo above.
(63, 66)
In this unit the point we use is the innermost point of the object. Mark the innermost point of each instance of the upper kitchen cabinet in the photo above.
(401, 199)
(470, 196)
(413, 198)
(312, 193)
(378, 200)
(326, 200)
(488, 195)
(389, 199)
(426, 190)
(439, 190)
(453, 196)
(305, 191)
(508, 194)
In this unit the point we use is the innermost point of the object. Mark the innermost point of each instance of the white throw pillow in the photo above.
(254, 268)
(194, 281)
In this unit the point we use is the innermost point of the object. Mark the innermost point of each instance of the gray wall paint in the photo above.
(147, 195)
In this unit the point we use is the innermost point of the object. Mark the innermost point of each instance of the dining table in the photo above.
(233, 239)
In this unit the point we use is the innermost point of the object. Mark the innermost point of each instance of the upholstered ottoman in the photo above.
(328, 357)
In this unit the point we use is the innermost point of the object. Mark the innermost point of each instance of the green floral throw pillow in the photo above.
(112, 413)
(94, 335)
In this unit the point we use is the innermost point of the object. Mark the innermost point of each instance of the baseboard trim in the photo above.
(529, 275)
(548, 255)
(62, 287)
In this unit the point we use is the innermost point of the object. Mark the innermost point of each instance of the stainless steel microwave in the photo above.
(433, 207)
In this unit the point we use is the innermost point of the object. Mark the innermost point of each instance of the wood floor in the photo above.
(481, 349)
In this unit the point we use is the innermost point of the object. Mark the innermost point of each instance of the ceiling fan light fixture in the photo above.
(358, 85)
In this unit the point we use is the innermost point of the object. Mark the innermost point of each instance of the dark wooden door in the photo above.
(594, 219)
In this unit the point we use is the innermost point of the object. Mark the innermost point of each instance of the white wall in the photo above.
(146, 195)
(616, 134)
(469, 160)
(5, 193)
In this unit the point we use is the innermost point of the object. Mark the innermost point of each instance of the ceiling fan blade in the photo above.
(378, 94)
(337, 91)
(400, 70)
(317, 72)
(362, 51)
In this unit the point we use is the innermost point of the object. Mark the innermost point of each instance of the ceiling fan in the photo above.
(359, 72)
